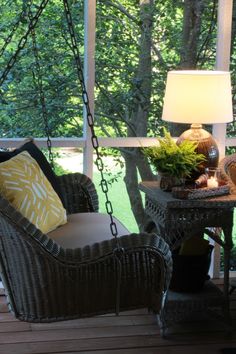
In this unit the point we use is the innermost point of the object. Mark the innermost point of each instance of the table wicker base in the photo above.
(180, 306)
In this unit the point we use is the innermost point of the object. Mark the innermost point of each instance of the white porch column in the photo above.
(224, 26)
(89, 75)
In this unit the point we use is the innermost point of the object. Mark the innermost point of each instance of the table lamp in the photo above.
(199, 97)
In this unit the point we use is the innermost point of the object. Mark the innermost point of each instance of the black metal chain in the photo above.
(22, 41)
(118, 251)
(39, 83)
(21, 44)
(90, 119)
(11, 34)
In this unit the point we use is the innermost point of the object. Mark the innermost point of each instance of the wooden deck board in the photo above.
(133, 332)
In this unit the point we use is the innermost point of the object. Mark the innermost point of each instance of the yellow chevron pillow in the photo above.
(25, 186)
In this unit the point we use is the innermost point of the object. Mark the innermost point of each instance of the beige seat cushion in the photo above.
(85, 229)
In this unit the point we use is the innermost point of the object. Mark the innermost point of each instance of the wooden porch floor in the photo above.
(130, 333)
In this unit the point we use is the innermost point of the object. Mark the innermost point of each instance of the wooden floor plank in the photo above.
(124, 344)
(214, 349)
(6, 317)
(3, 308)
(133, 332)
(3, 304)
(17, 337)
(14, 326)
(97, 322)
(112, 344)
(78, 344)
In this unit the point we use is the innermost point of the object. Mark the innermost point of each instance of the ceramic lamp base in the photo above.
(206, 145)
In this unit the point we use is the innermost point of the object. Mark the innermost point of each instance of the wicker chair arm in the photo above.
(78, 193)
(131, 244)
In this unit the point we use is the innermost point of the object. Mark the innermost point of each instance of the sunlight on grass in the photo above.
(120, 202)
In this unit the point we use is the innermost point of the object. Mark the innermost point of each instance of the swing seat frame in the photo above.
(45, 282)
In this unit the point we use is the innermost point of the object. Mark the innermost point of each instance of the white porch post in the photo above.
(89, 75)
(224, 25)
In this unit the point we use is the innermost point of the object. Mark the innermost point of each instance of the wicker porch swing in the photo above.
(79, 268)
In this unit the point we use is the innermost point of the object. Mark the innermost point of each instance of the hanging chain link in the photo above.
(11, 34)
(21, 44)
(94, 140)
(118, 251)
(22, 41)
(90, 121)
(39, 84)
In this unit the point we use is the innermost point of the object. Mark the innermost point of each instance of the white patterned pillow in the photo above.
(25, 186)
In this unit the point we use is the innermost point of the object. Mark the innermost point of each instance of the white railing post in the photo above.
(89, 75)
(224, 25)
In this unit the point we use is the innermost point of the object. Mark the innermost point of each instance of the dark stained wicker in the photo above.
(179, 219)
(46, 283)
(228, 174)
(228, 171)
(78, 193)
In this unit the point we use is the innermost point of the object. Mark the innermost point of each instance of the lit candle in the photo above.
(212, 182)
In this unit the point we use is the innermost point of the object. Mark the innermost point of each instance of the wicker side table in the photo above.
(177, 220)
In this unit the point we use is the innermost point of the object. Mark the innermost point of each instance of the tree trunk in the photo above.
(131, 181)
(191, 32)
(188, 60)
(135, 162)
(233, 43)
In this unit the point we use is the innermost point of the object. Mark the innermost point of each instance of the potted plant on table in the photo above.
(174, 163)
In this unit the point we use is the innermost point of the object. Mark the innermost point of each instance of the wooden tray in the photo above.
(199, 193)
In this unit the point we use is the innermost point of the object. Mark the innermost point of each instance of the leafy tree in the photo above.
(139, 43)
(21, 93)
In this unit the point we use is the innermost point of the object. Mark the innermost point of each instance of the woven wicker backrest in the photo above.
(78, 193)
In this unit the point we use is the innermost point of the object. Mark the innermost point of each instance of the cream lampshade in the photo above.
(199, 97)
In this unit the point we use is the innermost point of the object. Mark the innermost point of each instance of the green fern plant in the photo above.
(172, 159)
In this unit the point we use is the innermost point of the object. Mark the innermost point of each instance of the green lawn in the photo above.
(121, 206)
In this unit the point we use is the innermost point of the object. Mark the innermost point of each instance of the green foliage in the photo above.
(58, 170)
(175, 160)
(118, 45)
(21, 111)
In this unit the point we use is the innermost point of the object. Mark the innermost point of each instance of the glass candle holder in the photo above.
(213, 177)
